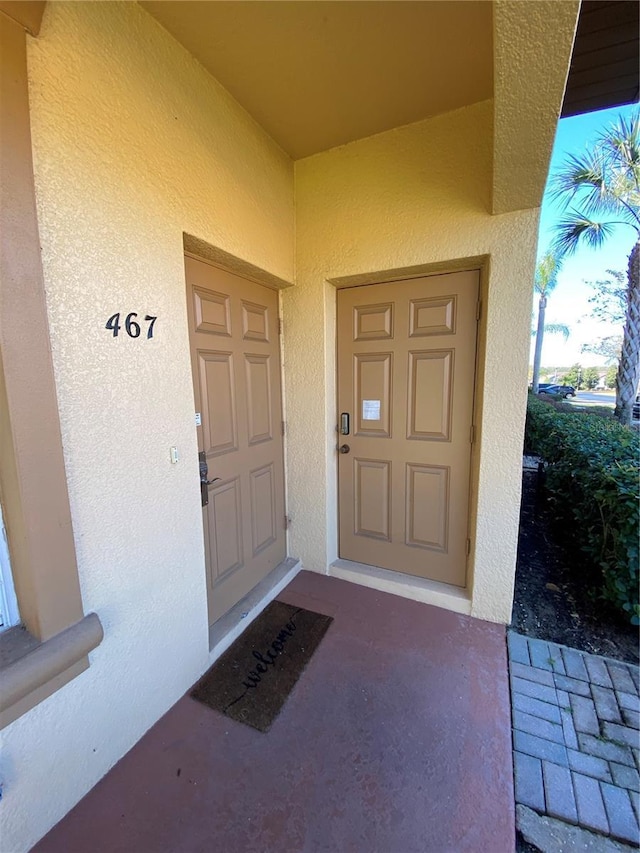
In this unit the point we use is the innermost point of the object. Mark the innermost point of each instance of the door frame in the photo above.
(481, 265)
(219, 259)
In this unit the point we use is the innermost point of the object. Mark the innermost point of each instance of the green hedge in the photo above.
(592, 482)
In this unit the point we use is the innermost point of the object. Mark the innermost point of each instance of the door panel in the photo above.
(263, 508)
(373, 390)
(372, 498)
(373, 322)
(406, 369)
(259, 414)
(226, 528)
(212, 312)
(233, 333)
(432, 317)
(255, 322)
(427, 498)
(429, 415)
(217, 392)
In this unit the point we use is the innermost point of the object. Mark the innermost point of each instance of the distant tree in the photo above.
(590, 377)
(603, 185)
(608, 305)
(574, 376)
(545, 283)
(610, 378)
(609, 348)
(609, 301)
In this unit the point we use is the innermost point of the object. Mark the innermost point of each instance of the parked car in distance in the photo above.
(557, 390)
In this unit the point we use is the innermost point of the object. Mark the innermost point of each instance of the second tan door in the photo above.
(406, 368)
(235, 356)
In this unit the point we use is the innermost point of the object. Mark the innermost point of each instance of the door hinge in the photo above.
(283, 427)
(478, 309)
(472, 434)
(287, 522)
(280, 325)
(468, 547)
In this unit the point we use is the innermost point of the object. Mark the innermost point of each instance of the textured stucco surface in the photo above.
(414, 196)
(134, 144)
(532, 50)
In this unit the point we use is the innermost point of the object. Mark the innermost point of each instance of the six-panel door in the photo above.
(406, 367)
(235, 357)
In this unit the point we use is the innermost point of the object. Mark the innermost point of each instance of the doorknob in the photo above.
(344, 448)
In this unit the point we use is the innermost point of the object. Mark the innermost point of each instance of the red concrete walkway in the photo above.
(396, 738)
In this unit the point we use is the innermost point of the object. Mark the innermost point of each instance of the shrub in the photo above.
(593, 487)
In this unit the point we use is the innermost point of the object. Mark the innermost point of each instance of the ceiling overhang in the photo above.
(26, 13)
(316, 75)
(605, 64)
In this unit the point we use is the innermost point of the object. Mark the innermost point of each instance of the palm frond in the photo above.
(575, 229)
(622, 142)
(546, 273)
(579, 174)
(600, 183)
(557, 329)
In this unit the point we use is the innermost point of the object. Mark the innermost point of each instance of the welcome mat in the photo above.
(252, 679)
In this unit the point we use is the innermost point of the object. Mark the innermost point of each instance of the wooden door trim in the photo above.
(479, 263)
(199, 250)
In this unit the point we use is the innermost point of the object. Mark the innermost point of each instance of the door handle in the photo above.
(204, 483)
(344, 448)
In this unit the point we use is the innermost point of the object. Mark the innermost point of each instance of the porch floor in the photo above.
(396, 738)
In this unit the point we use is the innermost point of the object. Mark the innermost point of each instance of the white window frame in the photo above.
(9, 613)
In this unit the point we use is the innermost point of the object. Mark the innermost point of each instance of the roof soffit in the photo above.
(316, 75)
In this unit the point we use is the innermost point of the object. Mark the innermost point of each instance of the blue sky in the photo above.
(568, 303)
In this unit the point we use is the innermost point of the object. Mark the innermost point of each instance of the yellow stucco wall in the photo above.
(134, 144)
(414, 196)
(532, 45)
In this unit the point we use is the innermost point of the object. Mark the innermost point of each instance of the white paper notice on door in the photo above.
(371, 410)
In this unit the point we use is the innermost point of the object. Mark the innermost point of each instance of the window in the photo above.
(9, 614)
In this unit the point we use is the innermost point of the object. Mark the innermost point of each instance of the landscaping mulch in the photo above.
(552, 600)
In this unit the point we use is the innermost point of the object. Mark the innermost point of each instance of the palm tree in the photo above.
(603, 187)
(544, 284)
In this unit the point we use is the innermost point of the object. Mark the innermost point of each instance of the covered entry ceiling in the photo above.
(320, 74)
(605, 65)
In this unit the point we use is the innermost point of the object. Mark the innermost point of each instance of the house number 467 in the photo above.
(131, 326)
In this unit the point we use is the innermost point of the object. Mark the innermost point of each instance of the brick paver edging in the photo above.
(576, 736)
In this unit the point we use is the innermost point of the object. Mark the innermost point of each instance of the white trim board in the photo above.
(229, 627)
(406, 586)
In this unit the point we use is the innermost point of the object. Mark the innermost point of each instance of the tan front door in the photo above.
(406, 366)
(235, 358)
